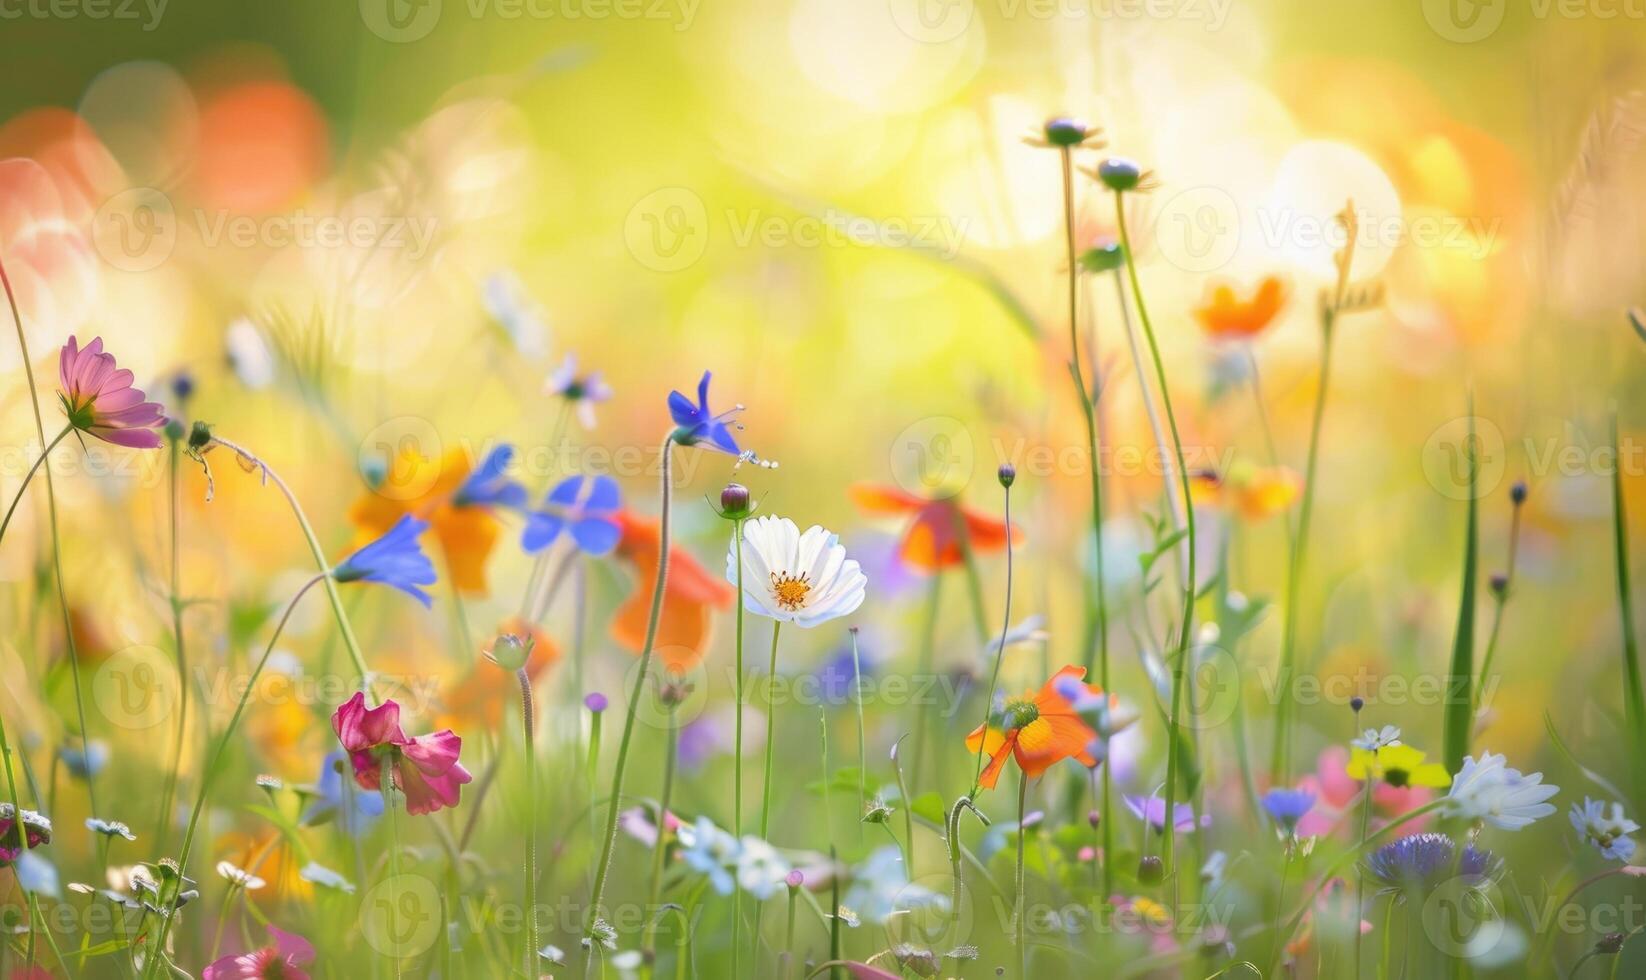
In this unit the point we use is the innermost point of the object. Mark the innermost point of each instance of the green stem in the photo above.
(1022, 905)
(223, 741)
(609, 837)
(30, 476)
(737, 755)
(654, 909)
(1097, 613)
(164, 821)
(1634, 707)
(766, 785)
(928, 655)
(1280, 763)
(862, 744)
(56, 541)
(1183, 636)
(1000, 654)
(349, 641)
(528, 725)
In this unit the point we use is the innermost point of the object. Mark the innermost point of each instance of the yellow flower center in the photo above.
(790, 591)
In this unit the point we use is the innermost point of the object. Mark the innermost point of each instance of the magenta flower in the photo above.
(424, 768)
(282, 960)
(98, 398)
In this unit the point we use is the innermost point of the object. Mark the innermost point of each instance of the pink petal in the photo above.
(233, 968)
(130, 438)
(434, 754)
(360, 728)
(294, 948)
(426, 794)
(65, 364)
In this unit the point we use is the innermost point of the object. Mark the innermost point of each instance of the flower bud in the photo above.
(1517, 493)
(1356, 703)
(1007, 474)
(794, 879)
(510, 651)
(1499, 584)
(595, 702)
(1119, 174)
(734, 501)
(174, 429)
(1063, 131)
(1150, 870)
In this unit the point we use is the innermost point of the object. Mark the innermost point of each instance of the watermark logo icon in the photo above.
(401, 458)
(667, 230)
(136, 688)
(400, 916)
(400, 21)
(934, 457)
(135, 230)
(1464, 21)
(1463, 444)
(932, 21)
(1198, 229)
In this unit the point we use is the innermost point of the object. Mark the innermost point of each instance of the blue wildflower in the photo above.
(708, 851)
(696, 425)
(1287, 806)
(395, 559)
(83, 763)
(488, 485)
(329, 798)
(584, 507)
(1423, 861)
(1608, 834)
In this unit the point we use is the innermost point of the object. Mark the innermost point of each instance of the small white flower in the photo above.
(239, 877)
(760, 869)
(512, 309)
(249, 354)
(805, 579)
(1609, 835)
(1490, 791)
(1374, 738)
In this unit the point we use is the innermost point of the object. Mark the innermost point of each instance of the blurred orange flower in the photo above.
(1257, 493)
(933, 541)
(1039, 730)
(690, 597)
(1226, 316)
(423, 486)
(478, 699)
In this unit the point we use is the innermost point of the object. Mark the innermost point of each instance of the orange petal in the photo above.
(873, 498)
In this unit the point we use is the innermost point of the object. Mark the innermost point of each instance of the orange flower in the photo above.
(423, 486)
(933, 542)
(1257, 493)
(1039, 730)
(689, 597)
(477, 700)
(1226, 317)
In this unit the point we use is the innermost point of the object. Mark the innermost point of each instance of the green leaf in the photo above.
(1459, 715)
(928, 807)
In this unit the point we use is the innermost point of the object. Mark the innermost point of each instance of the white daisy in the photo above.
(788, 576)
(1490, 791)
(1376, 738)
(239, 877)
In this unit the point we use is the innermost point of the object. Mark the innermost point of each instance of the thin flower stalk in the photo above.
(614, 800)
(1174, 733)
(56, 540)
(1634, 702)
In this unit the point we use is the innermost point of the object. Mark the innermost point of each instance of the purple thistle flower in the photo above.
(595, 702)
(395, 559)
(1424, 861)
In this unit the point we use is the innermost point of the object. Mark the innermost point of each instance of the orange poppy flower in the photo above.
(1227, 317)
(1039, 730)
(477, 700)
(690, 597)
(423, 486)
(933, 541)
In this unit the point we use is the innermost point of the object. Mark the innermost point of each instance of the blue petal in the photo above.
(596, 535)
(604, 496)
(541, 530)
(682, 410)
(720, 437)
(566, 492)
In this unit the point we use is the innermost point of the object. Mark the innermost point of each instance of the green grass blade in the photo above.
(1460, 679)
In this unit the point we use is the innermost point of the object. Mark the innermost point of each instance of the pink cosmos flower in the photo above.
(424, 768)
(282, 960)
(98, 398)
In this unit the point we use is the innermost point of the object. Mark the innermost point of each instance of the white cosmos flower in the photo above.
(1490, 790)
(788, 576)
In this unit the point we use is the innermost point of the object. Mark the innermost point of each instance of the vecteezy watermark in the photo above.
(669, 229)
(146, 12)
(1199, 229)
(940, 21)
(1476, 443)
(1468, 21)
(404, 21)
(137, 230)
